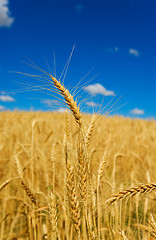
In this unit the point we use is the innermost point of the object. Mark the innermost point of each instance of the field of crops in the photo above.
(78, 120)
(65, 177)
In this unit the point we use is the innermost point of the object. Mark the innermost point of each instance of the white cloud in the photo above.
(137, 111)
(6, 98)
(2, 108)
(79, 7)
(5, 19)
(62, 110)
(50, 103)
(98, 89)
(114, 49)
(2, 92)
(134, 52)
(92, 104)
(54, 104)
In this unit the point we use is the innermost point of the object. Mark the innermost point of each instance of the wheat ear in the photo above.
(83, 181)
(26, 188)
(53, 214)
(131, 192)
(82, 174)
(72, 196)
(100, 174)
(153, 225)
(102, 166)
(69, 100)
(90, 131)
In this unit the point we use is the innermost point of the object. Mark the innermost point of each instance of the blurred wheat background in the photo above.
(59, 180)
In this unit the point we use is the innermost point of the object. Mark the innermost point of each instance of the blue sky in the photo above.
(115, 43)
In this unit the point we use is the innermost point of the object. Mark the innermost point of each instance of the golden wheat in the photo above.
(62, 169)
(131, 192)
(69, 100)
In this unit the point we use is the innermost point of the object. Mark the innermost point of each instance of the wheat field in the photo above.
(76, 176)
